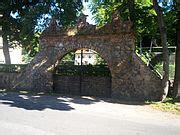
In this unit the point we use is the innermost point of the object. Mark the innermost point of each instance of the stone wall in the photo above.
(85, 85)
(137, 82)
(6, 80)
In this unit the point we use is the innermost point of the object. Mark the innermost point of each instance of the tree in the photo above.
(141, 14)
(30, 18)
(177, 62)
(10, 25)
(5, 44)
(5, 30)
(163, 35)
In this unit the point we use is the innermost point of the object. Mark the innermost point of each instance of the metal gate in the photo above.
(83, 80)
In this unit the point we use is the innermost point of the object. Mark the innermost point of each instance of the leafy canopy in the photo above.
(144, 16)
(25, 20)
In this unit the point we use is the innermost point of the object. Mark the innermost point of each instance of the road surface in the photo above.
(25, 114)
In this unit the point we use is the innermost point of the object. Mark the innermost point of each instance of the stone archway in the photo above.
(131, 78)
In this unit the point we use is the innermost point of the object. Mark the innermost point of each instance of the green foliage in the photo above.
(159, 68)
(145, 22)
(68, 59)
(171, 19)
(143, 57)
(12, 68)
(100, 60)
(26, 58)
(29, 19)
(83, 70)
(145, 18)
(102, 11)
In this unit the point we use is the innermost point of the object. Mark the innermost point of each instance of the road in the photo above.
(26, 114)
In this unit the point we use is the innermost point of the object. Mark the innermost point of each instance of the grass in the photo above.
(168, 105)
(159, 68)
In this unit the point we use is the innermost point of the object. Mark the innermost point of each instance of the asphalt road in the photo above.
(22, 114)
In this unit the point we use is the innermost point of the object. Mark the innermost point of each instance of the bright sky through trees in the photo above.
(87, 11)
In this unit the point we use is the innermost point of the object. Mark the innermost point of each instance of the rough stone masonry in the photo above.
(131, 78)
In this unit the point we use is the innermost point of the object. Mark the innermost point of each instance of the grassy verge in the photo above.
(168, 105)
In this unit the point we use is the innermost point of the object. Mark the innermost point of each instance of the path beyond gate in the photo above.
(131, 78)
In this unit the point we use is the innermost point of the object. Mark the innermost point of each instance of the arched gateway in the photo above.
(131, 78)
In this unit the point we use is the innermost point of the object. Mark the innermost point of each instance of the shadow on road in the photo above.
(62, 103)
(41, 102)
(30, 102)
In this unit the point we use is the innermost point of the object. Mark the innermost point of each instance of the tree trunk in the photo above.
(176, 85)
(5, 43)
(6, 50)
(163, 35)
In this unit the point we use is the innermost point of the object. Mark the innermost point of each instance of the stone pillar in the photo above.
(38, 75)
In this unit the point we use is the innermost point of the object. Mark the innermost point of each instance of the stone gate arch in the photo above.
(131, 78)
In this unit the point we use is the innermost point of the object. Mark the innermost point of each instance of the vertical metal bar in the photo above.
(81, 57)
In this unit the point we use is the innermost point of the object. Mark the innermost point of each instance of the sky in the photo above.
(87, 11)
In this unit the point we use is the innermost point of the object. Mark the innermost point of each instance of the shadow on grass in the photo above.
(172, 100)
(127, 102)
